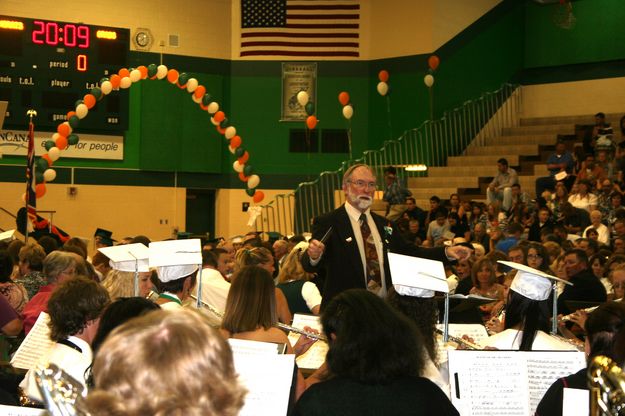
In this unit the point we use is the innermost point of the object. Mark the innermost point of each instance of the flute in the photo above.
(568, 317)
(280, 325)
(468, 344)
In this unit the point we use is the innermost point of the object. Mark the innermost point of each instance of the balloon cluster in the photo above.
(348, 110)
(304, 100)
(433, 62)
(383, 84)
(124, 78)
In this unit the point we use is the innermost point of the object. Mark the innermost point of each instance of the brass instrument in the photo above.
(467, 344)
(153, 296)
(60, 391)
(606, 381)
(280, 325)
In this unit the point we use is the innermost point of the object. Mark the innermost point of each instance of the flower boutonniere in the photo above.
(388, 231)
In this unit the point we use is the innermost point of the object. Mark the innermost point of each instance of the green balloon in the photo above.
(96, 92)
(183, 78)
(78, 102)
(224, 123)
(103, 80)
(310, 108)
(74, 121)
(72, 139)
(239, 151)
(206, 100)
(152, 70)
(38, 176)
(41, 164)
(250, 192)
(49, 144)
(248, 170)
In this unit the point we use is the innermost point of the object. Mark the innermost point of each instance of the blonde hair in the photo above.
(119, 284)
(165, 363)
(251, 257)
(292, 268)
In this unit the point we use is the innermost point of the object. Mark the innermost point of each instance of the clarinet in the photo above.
(467, 344)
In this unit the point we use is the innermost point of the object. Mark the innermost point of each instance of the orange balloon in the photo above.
(258, 196)
(243, 159)
(144, 71)
(47, 158)
(115, 80)
(382, 76)
(219, 116)
(344, 98)
(172, 76)
(235, 142)
(243, 177)
(433, 62)
(63, 129)
(40, 190)
(203, 107)
(61, 142)
(70, 113)
(124, 72)
(311, 122)
(220, 130)
(89, 100)
(199, 91)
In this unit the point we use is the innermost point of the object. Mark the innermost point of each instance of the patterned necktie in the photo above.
(374, 282)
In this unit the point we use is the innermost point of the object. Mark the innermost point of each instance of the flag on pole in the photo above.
(31, 200)
(300, 28)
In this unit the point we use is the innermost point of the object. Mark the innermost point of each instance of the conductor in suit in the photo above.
(354, 254)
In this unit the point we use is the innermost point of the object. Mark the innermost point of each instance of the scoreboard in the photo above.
(48, 65)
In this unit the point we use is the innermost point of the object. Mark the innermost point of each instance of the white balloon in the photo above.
(135, 75)
(192, 84)
(232, 149)
(24, 197)
(215, 123)
(428, 80)
(302, 98)
(49, 174)
(213, 107)
(106, 87)
(348, 111)
(161, 72)
(55, 136)
(230, 132)
(195, 99)
(238, 167)
(54, 153)
(125, 82)
(382, 88)
(253, 181)
(81, 111)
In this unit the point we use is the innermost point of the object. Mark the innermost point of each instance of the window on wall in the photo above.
(303, 141)
(334, 141)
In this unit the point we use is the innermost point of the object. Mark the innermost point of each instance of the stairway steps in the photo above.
(522, 149)
(539, 139)
(612, 118)
(533, 130)
(443, 182)
(482, 160)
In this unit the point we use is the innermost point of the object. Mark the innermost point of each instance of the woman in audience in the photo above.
(31, 268)
(364, 376)
(537, 257)
(584, 199)
(263, 258)
(301, 294)
(597, 264)
(251, 314)
(13, 292)
(485, 284)
(122, 284)
(165, 363)
(602, 327)
(463, 275)
(596, 224)
(561, 195)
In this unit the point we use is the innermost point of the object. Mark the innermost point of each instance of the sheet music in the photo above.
(506, 383)
(316, 355)
(268, 379)
(36, 344)
(575, 402)
(21, 411)
(247, 347)
(475, 331)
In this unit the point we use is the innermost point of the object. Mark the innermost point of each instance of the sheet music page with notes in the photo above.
(21, 411)
(506, 383)
(316, 355)
(36, 344)
(475, 331)
(266, 375)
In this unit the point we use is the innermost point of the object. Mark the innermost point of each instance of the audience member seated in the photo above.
(10, 322)
(481, 236)
(74, 308)
(13, 292)
(541, 221)
(583, 198)
(435, 208)
(58, 267)
(513, 236)
(458, 228)
(485, 284)
(31, 274)
(560, 161)
(394, 193)
(301, 294)
(598, 266)
(574, 220)
(477, 216)
(365, 378)
(166, 362)
(501, 186)
(596, 224)
(438, 230)
(461, 281)
(413, 212)
(586, 287)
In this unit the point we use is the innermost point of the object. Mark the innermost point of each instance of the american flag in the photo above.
(300, 28)
(31, 200)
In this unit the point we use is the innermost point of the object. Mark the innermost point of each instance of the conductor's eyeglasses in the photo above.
(363, 184)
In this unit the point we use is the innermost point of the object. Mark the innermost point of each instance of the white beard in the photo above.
(362, 202)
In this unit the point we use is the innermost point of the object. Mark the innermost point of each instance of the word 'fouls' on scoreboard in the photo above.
(49, 65)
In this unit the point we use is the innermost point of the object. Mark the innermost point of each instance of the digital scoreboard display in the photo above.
(48, 65)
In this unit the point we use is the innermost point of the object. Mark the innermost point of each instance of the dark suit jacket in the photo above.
(341, 258)
(586, 287)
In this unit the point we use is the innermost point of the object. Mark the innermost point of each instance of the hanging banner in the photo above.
(296, 77)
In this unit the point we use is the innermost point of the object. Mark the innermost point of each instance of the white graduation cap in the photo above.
(7, 235)
(535, 285)
(414, 276)
(128, 257)
(175, 259)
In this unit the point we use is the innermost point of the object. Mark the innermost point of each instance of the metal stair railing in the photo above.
(430, 144)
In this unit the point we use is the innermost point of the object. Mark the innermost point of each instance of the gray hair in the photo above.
(56, 262)
(348, 173)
